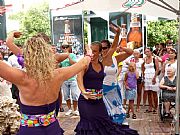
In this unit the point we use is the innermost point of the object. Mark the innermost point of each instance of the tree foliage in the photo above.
(161, 31)
(33, 21)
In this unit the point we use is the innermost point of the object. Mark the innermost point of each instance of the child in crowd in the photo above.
(130, 83)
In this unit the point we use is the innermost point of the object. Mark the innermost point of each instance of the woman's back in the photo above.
(32, 93)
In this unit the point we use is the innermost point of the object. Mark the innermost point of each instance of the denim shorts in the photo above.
(70, 87)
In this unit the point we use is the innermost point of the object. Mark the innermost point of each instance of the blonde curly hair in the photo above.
(39, 59)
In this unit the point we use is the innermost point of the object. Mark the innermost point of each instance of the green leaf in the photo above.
(33, 21)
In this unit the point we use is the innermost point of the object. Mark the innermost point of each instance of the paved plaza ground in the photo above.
(146, 123)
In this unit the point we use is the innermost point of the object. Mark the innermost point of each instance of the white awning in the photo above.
(117, 5)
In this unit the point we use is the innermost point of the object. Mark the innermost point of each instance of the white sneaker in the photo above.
(76, 113)
(68, 112)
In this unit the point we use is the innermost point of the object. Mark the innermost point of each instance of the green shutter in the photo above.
(99, 30)
(2, 24)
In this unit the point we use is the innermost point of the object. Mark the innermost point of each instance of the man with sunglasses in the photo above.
(70, 86)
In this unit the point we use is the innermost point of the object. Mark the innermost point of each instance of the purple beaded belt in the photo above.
(37, 120)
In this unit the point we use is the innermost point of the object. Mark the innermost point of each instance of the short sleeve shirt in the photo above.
(66, 62)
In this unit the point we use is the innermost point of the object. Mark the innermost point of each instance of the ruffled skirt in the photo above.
(94, 120)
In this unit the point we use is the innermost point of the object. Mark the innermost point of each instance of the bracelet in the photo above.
(83, 91)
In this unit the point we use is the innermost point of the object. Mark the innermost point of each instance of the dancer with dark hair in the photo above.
(94, 119)
(111, 90)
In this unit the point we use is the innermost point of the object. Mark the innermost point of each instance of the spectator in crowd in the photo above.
(156, 50)
(139, 61)
(171, 62)
(150, 69)
(162, 49)
(13, 61)
(4, 85)
(168, 86)
(70, 86)
(130, 82)
(121, 77)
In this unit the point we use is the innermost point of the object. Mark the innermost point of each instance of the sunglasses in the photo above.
(104, 48)
(65, 47)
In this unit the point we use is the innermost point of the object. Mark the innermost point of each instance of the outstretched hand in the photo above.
(89, 95)
(119, 49)
(15, 34)
(2, 10)
(88, 51)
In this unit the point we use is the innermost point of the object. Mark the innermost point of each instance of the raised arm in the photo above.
(61, 56)
(10, 43)
(114, 44)
(68, 72)
(126, 52)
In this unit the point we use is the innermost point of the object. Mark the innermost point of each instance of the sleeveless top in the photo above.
(42, 109)
(169, 83)
(149, 69)
(131, 80)
(93, 79)
(138, 66)
(111, 73)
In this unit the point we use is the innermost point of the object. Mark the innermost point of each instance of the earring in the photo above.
(100, 58)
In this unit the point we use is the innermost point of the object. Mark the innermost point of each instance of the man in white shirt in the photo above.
(13, 61)
(5, 86)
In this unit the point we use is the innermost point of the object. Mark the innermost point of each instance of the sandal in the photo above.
(154, 112)
(61, 109)
(127, 115)
(167, 115)
(147, 111)
(134, 116)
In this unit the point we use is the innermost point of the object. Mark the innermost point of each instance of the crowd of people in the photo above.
(101, 84)
(44, 73)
